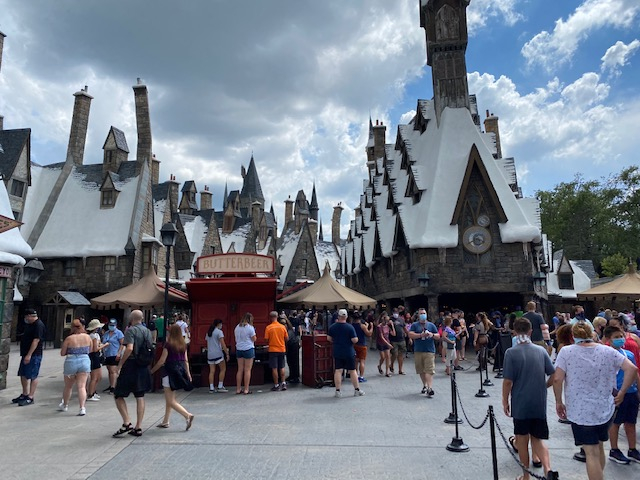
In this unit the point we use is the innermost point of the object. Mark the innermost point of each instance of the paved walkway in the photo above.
(391, 432)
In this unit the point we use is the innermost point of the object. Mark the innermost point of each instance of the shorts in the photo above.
(590, 434)
(76, 364)
(536, 427)
(361, 352)
(345, 363)
(95, 361)
(132, 379)
(628, 410)
(110, 361)
(425, 362)
(31, 370)
(276, 360)
(251, 353)
(215, 361)
(399, 347)
(383, 348)
(451, 355)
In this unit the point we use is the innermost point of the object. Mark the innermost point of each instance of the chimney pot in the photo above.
(487, 113)
(139, 80)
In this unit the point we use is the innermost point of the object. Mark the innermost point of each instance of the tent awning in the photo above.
(626, 286)
(146, 293)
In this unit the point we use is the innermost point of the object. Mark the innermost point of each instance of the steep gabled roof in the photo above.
(251, 188)
(12, 143)
(119, 138)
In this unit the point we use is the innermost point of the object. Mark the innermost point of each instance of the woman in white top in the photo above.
(94, 328)
(245, 352)
(217, 354)
(588, 371)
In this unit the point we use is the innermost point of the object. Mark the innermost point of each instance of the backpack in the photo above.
(145, 352)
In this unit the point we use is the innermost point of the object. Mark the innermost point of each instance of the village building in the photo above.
(442, 222)
(566, 279)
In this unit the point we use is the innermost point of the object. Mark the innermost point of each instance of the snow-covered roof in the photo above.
(238, 238)
(13, 248)
(581, 281)
(195, 229)
(327, 252)
(287, 250)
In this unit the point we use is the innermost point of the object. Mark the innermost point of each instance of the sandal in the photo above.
(401, 373)
(136, 432)
(379, 369)
(537, 464)
(163, 425)
(125, 428)
(249, 392)
(190, 421)
(512, 442)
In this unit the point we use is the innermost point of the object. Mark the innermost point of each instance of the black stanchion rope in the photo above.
(484, 422)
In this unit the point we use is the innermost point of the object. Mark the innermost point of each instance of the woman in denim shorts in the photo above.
(76, 348)
(245, 352)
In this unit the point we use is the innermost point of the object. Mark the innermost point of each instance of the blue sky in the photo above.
(295, 81)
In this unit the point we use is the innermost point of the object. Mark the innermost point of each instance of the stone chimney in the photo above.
(173, 193)
(155, 170)
(1, 122)
(143, 123)
(288, 211)
(379, 139)
(2, 35)
(256, 208)
(79, 124)
(491, 126)
(335, 224)
(313, 229)
(205, 199)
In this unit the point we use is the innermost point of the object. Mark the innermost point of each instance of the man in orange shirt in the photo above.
(276, 335)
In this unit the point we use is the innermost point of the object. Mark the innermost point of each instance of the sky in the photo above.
(294, 83)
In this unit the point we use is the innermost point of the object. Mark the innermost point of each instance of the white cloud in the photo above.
(482, 11)
(551, 50)
(618, 56)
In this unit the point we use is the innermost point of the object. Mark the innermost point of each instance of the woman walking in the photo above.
(95, 355)
(175, 375)
(76, 348)
(385, 328)
(245, 352)
(217, 354)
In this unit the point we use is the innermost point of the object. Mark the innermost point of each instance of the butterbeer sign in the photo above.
(235, 263)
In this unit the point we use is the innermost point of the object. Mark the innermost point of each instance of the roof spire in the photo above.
(251, 189)
(225, 198)
(313, 208)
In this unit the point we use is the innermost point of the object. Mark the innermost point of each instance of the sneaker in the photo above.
(97, 396)
(458, 367)
(358, 393)
(634, 455)
(212, 390)
(62, 407)
(82, 412)
(222, 390)
(93, 398)
(362, 380)
(338, 394)
(19, 398)
(424, 390)
(275, 388)
(283, 387)
(25, 401)
(580, 456)
(617, 456)
(430, 392)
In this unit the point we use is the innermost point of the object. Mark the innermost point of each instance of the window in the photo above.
(17, 188)
(108, 198)
(304, 267)
(149, 257)
(565, 281)
(109, 264)
(69, 267)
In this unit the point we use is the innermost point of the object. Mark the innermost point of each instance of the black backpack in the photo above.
(145, 353)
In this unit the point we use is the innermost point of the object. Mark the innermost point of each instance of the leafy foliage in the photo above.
(613, 265)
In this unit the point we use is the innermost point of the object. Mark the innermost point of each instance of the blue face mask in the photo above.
(112, 328)
(423, 316)
(618, 342)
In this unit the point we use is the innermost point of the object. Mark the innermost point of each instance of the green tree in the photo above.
(613, 265)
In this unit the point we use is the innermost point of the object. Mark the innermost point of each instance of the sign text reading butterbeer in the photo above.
(235, 263)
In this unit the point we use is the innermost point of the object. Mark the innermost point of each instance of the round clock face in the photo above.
(483, 221)
(476, 239)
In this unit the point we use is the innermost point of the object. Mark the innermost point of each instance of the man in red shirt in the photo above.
(276, 335)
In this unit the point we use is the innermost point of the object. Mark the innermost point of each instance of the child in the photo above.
(449, 339)
(627, 412)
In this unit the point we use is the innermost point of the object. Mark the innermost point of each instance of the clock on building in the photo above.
(476, 239)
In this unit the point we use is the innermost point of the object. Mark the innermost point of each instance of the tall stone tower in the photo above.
(143, 124)
(79, 125)
(445, 25)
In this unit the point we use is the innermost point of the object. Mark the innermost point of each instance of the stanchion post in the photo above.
(481, 393)
(494, 450)
(457, 444)
(453, 417)
(486, 382)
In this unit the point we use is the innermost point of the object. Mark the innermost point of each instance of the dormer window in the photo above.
(565, 281)
(108, 199)
(108, 191)
(17, 188)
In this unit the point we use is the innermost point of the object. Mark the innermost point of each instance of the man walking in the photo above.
(363, 330)
(424, 334)
(30, 357)
(343, 337)
(526, 367)
(132, 376)
(399, 345)
(276, 336)
(536, 321)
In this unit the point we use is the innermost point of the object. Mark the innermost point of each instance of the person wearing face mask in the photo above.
(424, 334)
(115, 338)
(627, 412)
(587, 370)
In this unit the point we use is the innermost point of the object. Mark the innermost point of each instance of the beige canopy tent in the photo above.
(328, 293)
(625, 287)
(145, 293)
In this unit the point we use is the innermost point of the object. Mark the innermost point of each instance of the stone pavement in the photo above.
(391, 432)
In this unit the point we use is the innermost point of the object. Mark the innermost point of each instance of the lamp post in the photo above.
(168, 232)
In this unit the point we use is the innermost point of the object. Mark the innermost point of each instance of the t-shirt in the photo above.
(527, 366)
(276, 334)
(214, 349)
(620, 376)
(31, 332)
(184, 327)
(589, 383)
(398, 325)
(341, 335)
(451, 335)
(113, 339)
(362, 338)
(136, 334)
(427, 344)
(536, 321)
(383, 332)
(243, 337)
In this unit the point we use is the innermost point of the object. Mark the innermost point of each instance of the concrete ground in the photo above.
(391, 432)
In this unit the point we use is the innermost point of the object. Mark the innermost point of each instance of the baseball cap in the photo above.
(342, 312)
(30, 311)
(113, 321)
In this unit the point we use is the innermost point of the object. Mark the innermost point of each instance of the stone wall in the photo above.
(5, 335)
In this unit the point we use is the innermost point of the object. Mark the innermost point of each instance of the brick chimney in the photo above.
(491, 126)
(205, 199)
(379, 139)
(288, 211)
(155, 170)
(335, 224)
(2, 35)
(79, 125)
(143, 123)
(173, 193)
